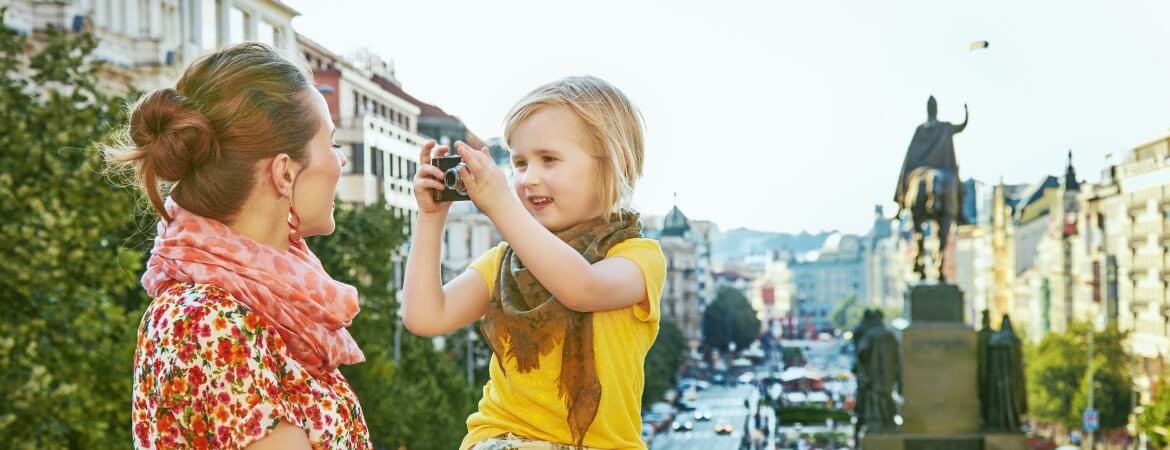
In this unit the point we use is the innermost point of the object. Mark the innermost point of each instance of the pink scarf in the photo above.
(290, 290)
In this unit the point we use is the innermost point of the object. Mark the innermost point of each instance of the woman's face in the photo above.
(316, 185)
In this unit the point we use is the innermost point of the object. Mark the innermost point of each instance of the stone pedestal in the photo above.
(922, 442)
(1005, 441)
(883, 442)
(934, 303)
(939, 382)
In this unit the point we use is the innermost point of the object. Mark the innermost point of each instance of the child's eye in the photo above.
(520, 163)
(548, 159)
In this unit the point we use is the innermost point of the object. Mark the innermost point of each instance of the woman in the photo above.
(241, 345)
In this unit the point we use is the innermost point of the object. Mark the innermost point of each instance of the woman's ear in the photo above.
(283, 170)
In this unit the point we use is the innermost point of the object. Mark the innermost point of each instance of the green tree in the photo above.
(665, 358)
(1058, 384)
(422, 401)
(69, 275)
(847, 313)
(1154, 420)
(730, 318)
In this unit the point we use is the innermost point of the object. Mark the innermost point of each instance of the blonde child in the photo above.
(570, 301)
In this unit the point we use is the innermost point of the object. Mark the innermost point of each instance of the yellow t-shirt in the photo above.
(528, 404)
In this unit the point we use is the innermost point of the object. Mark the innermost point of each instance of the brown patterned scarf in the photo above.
(524, 321)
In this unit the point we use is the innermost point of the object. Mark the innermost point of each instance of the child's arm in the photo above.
(429, 308)
(611, 283)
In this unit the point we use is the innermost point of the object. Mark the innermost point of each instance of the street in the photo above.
(726, 406)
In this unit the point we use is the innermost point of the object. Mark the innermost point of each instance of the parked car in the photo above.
(647, 432)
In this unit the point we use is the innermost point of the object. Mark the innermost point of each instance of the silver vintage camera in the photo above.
(456, 191)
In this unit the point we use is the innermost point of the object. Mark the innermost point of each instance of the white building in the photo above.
(887, 263)
(377, 129)
(824, 278)
(147, 43)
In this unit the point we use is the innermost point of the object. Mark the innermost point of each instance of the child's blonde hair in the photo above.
(613, 124)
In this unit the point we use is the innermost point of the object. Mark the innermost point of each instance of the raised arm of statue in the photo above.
(960, 127)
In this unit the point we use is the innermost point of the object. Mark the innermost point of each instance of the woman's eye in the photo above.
(336, 146)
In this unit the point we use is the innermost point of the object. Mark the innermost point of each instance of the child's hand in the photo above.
(429, 179)
(487, 186)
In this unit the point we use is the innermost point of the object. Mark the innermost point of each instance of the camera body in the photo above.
(450, 166)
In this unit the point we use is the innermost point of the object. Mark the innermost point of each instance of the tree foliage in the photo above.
(422, 401)
(73, 251)
(730, 318)
(1058, 383)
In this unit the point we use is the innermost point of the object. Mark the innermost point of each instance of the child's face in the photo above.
(555, 178)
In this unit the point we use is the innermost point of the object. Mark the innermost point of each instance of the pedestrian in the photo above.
(241, 344)
(569, 301)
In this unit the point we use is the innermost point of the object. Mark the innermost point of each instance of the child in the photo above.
(570, 301)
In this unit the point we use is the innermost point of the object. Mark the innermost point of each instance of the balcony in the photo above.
(1144, 228)
(1149, 295)
(1143, 262)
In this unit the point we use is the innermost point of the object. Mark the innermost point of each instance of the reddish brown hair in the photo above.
(203, 138)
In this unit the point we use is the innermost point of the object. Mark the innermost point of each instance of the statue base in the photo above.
(1005, 441)
(939, 367)
(923, 442)
(934, 303)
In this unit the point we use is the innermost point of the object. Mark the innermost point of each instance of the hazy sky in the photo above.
(794, 115)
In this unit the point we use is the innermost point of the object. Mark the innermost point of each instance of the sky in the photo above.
(794, 115)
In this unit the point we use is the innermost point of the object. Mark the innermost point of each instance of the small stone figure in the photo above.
(1006, 397)
(878, 372)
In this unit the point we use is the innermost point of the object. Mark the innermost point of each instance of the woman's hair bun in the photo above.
(172, 137)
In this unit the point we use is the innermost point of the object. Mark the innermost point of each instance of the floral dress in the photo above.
(209, 373)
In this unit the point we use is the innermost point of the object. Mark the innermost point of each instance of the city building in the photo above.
(147, 43)
(822, 279)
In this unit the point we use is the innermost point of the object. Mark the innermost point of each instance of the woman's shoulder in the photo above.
(201, 314)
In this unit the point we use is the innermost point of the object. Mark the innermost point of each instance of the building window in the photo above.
(379, 160)
(357, 161)
(237, 26)
(144, 18)
(266, 33)
(209, 34)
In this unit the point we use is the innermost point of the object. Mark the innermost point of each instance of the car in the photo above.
(682, 426)
(702, 416)
(724, 428)
(647, 432)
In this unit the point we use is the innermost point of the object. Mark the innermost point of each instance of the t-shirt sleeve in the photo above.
(647, 255)
(488, 264)
(215, 383)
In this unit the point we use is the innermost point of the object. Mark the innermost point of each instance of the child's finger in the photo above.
(431, 171)
(469, 156)
(424, 157)
(468, 178)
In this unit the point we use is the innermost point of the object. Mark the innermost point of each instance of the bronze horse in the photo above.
(932, 195)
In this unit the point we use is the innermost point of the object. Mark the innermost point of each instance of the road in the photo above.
(726, 406)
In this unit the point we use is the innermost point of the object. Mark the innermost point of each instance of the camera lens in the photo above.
(453, 181)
